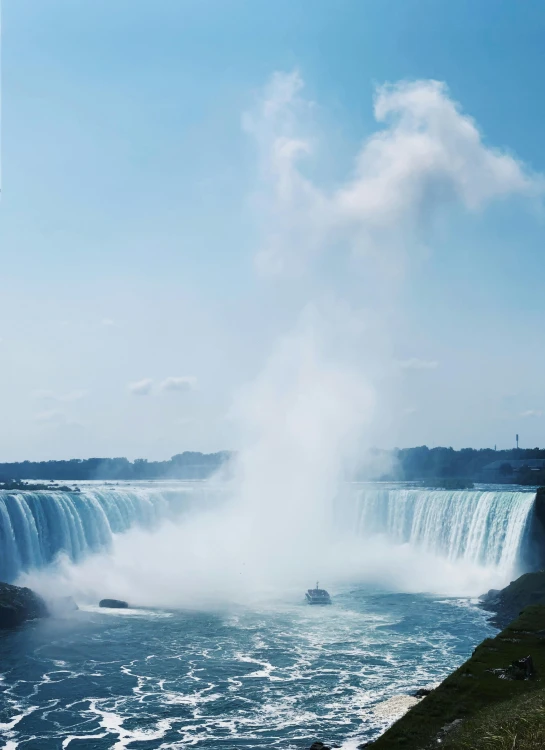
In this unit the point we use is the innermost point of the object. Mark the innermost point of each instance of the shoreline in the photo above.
(499, 686)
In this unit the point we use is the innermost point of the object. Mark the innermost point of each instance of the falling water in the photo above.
(483, 527)
(36, 526)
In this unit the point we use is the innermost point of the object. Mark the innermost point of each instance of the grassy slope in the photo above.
(518, 724)
(526, 590)
(472, 689)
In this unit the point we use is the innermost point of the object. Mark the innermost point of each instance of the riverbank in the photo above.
(502, 670)
(506, 605)
(496, 699)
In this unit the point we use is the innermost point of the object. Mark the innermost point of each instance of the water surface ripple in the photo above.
(280, 674)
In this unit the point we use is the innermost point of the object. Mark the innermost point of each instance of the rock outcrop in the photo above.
(533, 549)
(507, 604)
(113, 604)
(422, 692)
(17, 605)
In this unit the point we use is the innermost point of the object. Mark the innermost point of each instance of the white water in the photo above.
(138, 544)
(35, 527)
(479, 527)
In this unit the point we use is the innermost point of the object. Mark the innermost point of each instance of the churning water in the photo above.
(278, 675)
(259, 670)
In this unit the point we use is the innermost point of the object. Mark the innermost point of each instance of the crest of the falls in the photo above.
(484, 527)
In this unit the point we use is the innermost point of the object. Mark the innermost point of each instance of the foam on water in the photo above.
(272, 676)
(125, 612)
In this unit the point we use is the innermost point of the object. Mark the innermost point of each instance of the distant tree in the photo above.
(415, 464)
(184, 466)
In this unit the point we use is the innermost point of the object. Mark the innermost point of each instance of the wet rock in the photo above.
(422, 692)
(113, 604)
(507, 604)
(521, 669)
(17, 605)
(490, 595)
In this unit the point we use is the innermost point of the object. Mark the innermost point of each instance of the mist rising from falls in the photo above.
(299, 421)
(458, 543)
(35, 527)
(282, 519)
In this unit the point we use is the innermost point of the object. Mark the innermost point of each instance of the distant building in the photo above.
(502, 470)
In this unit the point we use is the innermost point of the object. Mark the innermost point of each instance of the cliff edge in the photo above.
(17, 605)
(507, 604)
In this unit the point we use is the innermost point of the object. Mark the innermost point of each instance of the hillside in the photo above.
(507, 603)
(491, 698)
(518, 724)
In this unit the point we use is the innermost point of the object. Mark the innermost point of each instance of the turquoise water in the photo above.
(269, 672)
(278, 674)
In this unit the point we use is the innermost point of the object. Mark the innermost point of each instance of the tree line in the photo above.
(187, 465)
(422, 463)
(409, 464)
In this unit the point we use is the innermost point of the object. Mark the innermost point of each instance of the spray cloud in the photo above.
(302, 420)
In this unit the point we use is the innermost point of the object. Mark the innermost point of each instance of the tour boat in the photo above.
(317, 596)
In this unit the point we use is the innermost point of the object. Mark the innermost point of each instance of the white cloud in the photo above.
(49, 416)
(108, 322)
(71, 396)
(43, 395)
(426, 155)
(57, 420)
(177, 384)
(180, 384)
(418, 364)
(141, 387)
(74, 396)
(531, 413)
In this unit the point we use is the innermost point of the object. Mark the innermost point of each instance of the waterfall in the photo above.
(36, 526)
(483, 527)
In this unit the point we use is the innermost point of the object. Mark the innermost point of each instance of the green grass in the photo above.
(474, 688)
(518, 724)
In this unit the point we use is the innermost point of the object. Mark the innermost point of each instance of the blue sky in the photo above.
(132, 215)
